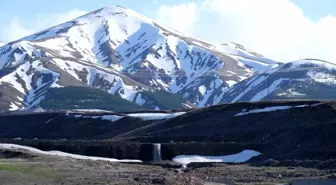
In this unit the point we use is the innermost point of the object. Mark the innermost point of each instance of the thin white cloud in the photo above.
(172, 16)
(15, 30)
(18, 28)
(278, 28)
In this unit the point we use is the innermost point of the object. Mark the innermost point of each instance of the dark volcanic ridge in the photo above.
(302, 130)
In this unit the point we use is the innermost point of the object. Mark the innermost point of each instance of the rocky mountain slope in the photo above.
(123, 53)
(304, 79)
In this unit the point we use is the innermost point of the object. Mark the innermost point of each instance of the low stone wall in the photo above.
(142, 151)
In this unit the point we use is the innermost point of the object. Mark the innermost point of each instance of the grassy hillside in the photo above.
(164, 100)
(85, 98)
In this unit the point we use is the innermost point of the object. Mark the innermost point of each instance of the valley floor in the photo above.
(22, 168)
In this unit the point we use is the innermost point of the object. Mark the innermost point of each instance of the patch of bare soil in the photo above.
(51, 170)
(18, 169)
(245, 174)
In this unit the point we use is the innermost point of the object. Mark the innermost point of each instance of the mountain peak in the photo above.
(104, 19)
(126, 54)
(311, 63)
(108, 9)
(316, 60)
(242, 48)
(112, 8)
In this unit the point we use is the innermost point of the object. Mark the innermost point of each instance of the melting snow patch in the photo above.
(144, 116)
(155, 116)
(274, 86)
(139, 100)
(62, 154)
(231, 82)
(268, 109)
(90, 110)
(234, 158)
(317, 63)
(13, 107)
(202, 89)
(322, 77)
(111, 118)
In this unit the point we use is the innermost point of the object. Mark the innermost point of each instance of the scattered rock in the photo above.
(158, 180)
(271, 162)
(136, 178)
(16, 154)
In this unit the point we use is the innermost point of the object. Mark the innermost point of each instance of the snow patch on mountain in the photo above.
(247, 57)
(272, 87)
(13, 107)
(22, 80)
(155, 116)
(268, 109)
(307, 79)
(1, 43)
(312, 64)
(15, 54)
(202, 89)
(322, 77)
(231, 82)
(117, 85)
(111, 118)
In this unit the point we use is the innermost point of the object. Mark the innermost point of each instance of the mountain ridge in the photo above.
(124, 53)
(302, 79)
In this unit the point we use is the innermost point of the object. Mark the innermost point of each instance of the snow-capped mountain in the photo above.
(247, 57)
(303, 79)
(124, 53)
(1, 43)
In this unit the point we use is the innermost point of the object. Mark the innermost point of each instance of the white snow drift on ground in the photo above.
(268, 109)
(155, 116)
(234, 158)
(61, 154)
(89, 110)
(143, 116)
(111, 118)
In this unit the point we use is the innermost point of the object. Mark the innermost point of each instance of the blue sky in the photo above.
(29, 9)
(309, 21)
(28, 12)
(314, 9)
